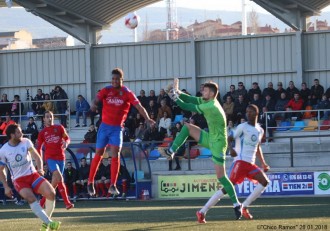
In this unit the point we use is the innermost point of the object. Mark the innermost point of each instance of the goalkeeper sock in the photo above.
(180, 139)
(229, 187)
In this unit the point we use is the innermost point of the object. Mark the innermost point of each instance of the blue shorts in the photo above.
(108, 134)
(54, 165)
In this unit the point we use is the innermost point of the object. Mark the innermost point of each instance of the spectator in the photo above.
(139, 132)
(131, 125)
(5, 124)
(317, 92)
(231, 93)
(200, 92)
(126, 134)
(37, 106)
(281, 106)
(323, 104)
(327, 93)
(164, 125)
(241, 91)
(82, 107)
(98, 111)
(239, 108)
(83, 176)
(32, 129)
(305, 94)
(17, 108)
(102, 179)
(47, 173)
(5, 106)
(138, 119)
(279, 91)
(180, 152)
(143, 99)
(267, 119)
(199, 120)
(269, 103)
(90, 136)
(254, 90)
(61, 106)
(70, 179)
(295, 104)
(152, 108)
(152, 96)
(153, 117)
(163, 96)
(47, 104)
(291, 90)
(269, 90)
(257, 101)
(230, 132)
(152, 134)
(228, 107)
(164, 108)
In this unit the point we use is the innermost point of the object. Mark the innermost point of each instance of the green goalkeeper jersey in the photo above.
(213, 113)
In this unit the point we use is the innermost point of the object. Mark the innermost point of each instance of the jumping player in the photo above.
(17, 154)
(215, 139)
(247, 137)
(116, 100)
(55, 140)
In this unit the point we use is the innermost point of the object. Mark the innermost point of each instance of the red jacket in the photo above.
(295, 105)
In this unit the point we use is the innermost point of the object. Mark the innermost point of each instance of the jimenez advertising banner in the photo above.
(194, 186)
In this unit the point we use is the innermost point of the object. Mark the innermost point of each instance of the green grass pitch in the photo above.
(269, 214)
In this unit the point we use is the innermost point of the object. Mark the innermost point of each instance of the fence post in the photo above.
(291, 150)
(188, 150)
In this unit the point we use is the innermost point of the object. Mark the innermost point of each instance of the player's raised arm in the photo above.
(187, 106)
(175, 93)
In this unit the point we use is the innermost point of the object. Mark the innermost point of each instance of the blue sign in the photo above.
(290, 183)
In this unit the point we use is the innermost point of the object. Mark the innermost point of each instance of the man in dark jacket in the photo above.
(254, 90)
(83, 174)
(61, 106)
(70, 178)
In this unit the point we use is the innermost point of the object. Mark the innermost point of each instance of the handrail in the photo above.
(295, 111)
(36, 101)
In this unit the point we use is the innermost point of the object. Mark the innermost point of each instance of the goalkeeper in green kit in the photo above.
(215, 139)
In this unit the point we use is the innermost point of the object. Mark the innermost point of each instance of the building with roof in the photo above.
(15, 40)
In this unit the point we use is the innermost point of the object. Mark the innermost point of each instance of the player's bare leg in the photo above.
(29, 196)
(258, 190)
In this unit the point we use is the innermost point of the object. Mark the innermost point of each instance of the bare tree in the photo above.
(253, 22)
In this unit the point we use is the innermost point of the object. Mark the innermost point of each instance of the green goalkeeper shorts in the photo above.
(218, 148)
